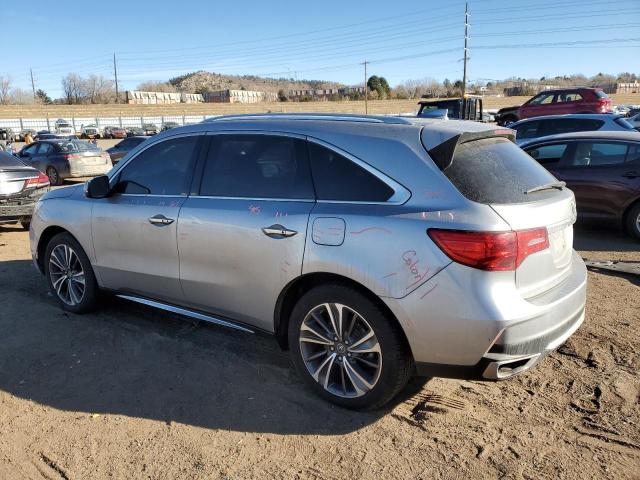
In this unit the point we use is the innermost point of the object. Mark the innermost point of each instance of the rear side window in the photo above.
(494, 170)
(598, 153)
(601, 94)
(569, 125)
(162, 169)
(257, 166)
(337, 178)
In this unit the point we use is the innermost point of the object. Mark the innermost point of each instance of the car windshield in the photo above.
(76, 146)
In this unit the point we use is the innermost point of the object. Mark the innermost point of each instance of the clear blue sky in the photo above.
(318, 40)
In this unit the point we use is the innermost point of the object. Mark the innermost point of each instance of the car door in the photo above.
(134, 230)
(242, 238)
(602, 179)
(28, 154)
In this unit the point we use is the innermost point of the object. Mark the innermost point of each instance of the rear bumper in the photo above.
(79, 170)
(464, 323)
(22, 207)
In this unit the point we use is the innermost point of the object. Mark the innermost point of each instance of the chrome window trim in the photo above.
(400, 193)
(256, 199)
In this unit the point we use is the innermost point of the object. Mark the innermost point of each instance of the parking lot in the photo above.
(133, 392)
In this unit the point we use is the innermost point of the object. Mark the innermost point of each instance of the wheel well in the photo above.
(45, 237)
(627, 211)
(301, 285)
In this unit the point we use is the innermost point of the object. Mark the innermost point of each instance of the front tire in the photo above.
(633, 221)
(347, 349)
(69, 274)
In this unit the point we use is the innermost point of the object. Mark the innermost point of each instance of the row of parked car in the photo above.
(63, 129)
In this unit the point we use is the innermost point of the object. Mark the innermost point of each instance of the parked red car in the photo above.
(558, 102)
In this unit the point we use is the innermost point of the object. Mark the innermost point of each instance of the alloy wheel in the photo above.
(340, 350)
(52, 173)
(66, 274)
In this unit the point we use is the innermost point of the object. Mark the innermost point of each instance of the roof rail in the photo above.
(332, 117)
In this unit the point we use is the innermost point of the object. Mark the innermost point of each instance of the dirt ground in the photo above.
(131, 392)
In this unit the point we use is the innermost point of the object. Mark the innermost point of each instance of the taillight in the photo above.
(71, 156)
(40, 181)
(493, 251)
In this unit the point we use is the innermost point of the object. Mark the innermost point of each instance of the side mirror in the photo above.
(98, 187)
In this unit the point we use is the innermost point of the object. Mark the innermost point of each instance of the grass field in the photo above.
(375, 107)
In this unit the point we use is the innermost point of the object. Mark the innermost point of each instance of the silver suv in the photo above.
(373, 248)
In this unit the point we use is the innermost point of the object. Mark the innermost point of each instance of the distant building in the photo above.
(239, 96)
(324, 93)
(138, 97)
(631, 87)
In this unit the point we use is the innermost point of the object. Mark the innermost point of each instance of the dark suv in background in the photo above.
(558, 102)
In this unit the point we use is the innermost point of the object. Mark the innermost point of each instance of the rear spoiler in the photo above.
(442, 154)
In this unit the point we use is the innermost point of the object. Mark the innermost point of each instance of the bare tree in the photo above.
(99, 89)
(5, 88)
(73, 88)
(18, 96)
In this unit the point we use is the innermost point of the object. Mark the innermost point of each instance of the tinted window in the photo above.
(598, 153)
(569, 97)
(45, 148)
(31, 149)
(527, 130)
(162, 169)
(623, 122)
(494, 170)
(568, 125)
(257, 166)
(542, 99)
(601, 94)
(634, 153)
(76, 146)
(548, 154)
(339, 179)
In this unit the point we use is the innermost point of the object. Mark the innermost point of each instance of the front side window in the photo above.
(337, 178)
(165, 168)
(548, 154)
(598, 153)
(542, 99)
(257, 166)
(528, 129)
(44, 149)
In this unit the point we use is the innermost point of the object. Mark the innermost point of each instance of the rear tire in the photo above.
(633, 221)
(54, 177)
(70, 275)
(337, 364)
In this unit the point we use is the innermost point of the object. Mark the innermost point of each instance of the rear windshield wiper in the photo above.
(547, 186)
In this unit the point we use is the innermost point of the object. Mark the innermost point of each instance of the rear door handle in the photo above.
(160, 220)
(278, 231)
(632, 174)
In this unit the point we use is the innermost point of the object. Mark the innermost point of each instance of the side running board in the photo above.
(185, 312)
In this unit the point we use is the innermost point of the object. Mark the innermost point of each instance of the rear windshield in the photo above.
(495, 170)
(601, 94)
(76, 146)
(623, 122)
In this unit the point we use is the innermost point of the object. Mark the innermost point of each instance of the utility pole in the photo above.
(366, 90)
(466, 37)
(33, 85)
(115, 73)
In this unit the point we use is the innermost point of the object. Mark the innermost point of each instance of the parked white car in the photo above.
(62, 127)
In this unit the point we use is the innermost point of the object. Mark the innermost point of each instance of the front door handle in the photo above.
(160, 220)
(278, 231)
(632, 174)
